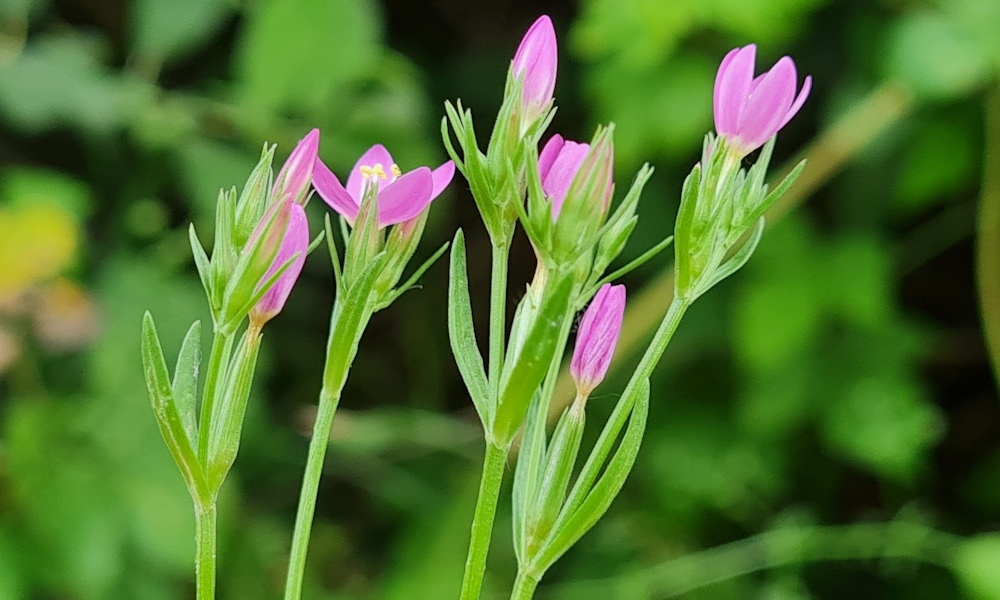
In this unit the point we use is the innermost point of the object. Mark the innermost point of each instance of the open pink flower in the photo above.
(401, 197)
(536, 59)
(296, 174)
(749, 111)
(597, 338)
(296, 240)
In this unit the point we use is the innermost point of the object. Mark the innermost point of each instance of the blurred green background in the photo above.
(825, 424)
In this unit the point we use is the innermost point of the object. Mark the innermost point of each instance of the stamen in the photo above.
(395, 170)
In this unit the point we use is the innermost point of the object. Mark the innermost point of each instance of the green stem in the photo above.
(988, 239)
(307, 498)
(770, 550)
(524, 586)
(498, 313)
(482, 522)
(221, 349)
(623, 409)
(206, 550)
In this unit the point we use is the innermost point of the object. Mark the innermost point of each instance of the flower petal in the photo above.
(732, 86)
(549, 154)
(799, 101)
(768, 104)
(561, 174)
(441, 177)
(376, 155)
(536, 58)
(333, 193)
(296, 241)
(406, 197)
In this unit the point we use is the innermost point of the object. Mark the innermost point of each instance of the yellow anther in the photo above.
(377, 169)
(396, 171)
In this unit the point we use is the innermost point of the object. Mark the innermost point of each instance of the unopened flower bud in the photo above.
(597, 338)
(296, 174)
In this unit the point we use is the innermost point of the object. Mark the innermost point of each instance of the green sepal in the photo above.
(527, 474)
(684, 235)
(559, 462)
(229, 411)
(577, 518)
(165, 410)
(185, 386)
(204, 271)
(253, 198)
(462, 334)
(736, 261)
(331, 244)
(347, 322)
(366, 239)
(525, 368)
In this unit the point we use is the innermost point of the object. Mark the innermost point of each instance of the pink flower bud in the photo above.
(296, 174)
(597, 338)
(296, 240)
(558, 164)
(749, 111)
(536, 60)
(401, 196)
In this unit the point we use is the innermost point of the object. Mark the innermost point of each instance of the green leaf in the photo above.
(560, 460)
(525, 369)
(575, 521)
(295, 55)
(975, 566)
(165, 410)
(463, 335)
(163, 29)
(530, 459)
(230, 409)
(186, 380)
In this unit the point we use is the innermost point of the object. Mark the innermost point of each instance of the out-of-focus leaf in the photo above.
(935, 56)
(939, 160)
(294, 54)
(976, 567)
(12, 582)
(884, 423)
(164, 29)
(208, 166)
(58, 80)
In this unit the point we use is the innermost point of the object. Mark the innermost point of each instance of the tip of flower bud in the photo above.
(597, 338)
(296, 174)
(536, 60)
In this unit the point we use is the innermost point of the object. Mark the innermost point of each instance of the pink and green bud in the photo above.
(749, 111)
(295, 242)
(296, 174)
(400, 196)
(536, 60)
(597, 338)
(558, 164)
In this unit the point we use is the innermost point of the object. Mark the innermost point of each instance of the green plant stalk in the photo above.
(988, 238)
(222, 346)
(338, 361)
(498, 313)
(482, 521)
(205, 516)
(524, 587)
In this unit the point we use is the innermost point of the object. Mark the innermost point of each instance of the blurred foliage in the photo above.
(840, 378)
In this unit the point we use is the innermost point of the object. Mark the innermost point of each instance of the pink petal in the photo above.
(768, 104)
(333, 193)
(376, 155)
(799, 101)
(549, 153)
(296, 241)
(406, 197)
(441, 177)
(294, 177)
(560, 176)
(597, 337)
(537, 58)
(732, 86)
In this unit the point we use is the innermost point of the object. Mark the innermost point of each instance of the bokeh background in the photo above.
(824, 425)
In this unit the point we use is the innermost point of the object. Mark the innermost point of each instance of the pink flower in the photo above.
(597, 338)
(296, 240)
(749, 111)
(296, 174)
(536, 60)
(559, 163)
(401, 197)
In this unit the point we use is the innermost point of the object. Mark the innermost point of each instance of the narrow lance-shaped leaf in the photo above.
(737, 260)
(186, 380)
(527, 474)
(162, 400)
(576, 521)
(462, 334)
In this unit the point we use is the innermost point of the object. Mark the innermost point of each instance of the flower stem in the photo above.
(482, 522)
(498, 312)
(524, 586)
(206, 550)
(307, 498)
